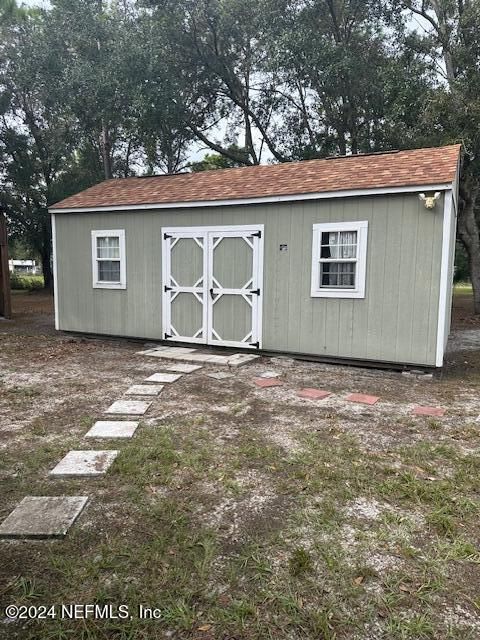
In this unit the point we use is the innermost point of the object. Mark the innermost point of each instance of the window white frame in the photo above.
(104, 284)
(361, 260)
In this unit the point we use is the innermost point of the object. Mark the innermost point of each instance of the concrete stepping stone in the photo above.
(43, 517)
(164, 377)
(191, 355)
(239, 359)
(84, 464)
(204, 358)
(429, 411)
(183, 368)
(282, 361)
(112, 429)
(220, 375)
(362, 398)
(144, 390)
(166, 352)
(313, 394)
(270, 374)
(129, 407)
(267, 382)
(149, 352)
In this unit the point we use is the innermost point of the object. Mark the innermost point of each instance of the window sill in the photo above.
(109, 285)
(337, 293)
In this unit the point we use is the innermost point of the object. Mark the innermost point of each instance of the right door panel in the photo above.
(234, 259)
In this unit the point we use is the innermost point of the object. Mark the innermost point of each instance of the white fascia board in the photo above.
(448, 229)
(348, 193)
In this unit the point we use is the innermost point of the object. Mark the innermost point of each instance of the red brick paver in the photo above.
(268, 382)
(313, 394)
(429, 411)
(362, 398)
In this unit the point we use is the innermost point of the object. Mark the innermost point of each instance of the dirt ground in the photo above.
(244, 513)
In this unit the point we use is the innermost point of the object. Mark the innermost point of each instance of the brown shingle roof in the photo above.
(418, 167)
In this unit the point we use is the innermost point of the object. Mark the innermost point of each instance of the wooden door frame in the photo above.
(5, 294)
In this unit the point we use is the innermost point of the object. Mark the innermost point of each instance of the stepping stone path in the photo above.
(164, 377)
(183, 368)
(220, 375)
(84, 464)
(113, 429)
(144, 390)
(314, 394)
(239, 359)
(161, 352)
(267, 382)
(129, 407)
(51, 517)
(282, 361)
(43, 517)
(429, 411)
(192, 355)
(362, 398)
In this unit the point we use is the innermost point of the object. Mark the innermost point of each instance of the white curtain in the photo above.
(347, 244)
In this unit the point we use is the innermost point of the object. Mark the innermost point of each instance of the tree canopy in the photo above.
(98, 89)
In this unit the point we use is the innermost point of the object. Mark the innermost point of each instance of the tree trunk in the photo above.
(469, 234)
(474, 260)
(106, 149)
(46, 256)
(5, 298)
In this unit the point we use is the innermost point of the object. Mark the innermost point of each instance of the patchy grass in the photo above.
(244, 513)
(300, 562)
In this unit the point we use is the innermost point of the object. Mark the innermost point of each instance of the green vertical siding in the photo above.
(397, 320)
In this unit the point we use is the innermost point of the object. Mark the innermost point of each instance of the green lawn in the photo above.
(463, 288)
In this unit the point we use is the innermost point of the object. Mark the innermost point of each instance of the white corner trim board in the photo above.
(55, 272)
(346, 193)
(448, 229)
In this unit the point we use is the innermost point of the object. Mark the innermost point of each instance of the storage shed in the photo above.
(343, 258)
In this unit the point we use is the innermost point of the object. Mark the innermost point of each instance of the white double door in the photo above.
(212, 285)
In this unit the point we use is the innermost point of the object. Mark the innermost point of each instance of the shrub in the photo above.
(25, 282)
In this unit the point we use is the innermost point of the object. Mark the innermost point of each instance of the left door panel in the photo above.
(184, 286)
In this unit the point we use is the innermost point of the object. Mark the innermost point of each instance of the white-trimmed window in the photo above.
(339, 257)
(108, 259)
